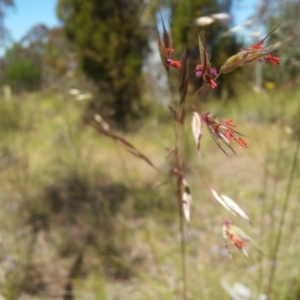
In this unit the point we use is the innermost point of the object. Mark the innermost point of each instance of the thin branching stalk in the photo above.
(222, 131)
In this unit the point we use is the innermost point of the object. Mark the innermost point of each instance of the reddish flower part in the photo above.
(199, 71)
(213, 72)
(236, 241)
(273, 60)
(164, 45)
(237, 237)
(223, 132)
(260, 46)
(175, 64)
(257, 46)
(198, 74)
(242, 142)
(229, 233)
(168, 52)
(211, 82)
(224, 129)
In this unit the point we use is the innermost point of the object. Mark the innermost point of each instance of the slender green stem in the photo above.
(276, 173)
(282, 219)
(179, 167)
(182, 243)
(262, 223)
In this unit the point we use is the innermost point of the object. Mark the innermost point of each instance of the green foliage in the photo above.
(112, 45)
(21, 72)
(43, 59)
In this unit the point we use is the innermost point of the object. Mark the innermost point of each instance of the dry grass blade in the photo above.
(234, 208)
(205, 61)
(246, 57)
(186, 206)
(230, 205)
(125, 144)
(197, 130)
(240, 59)
(233, 62)
(186, 201)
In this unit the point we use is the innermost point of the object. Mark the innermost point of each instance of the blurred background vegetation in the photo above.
(81, 218)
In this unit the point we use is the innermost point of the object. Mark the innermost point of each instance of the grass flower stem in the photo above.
(282, 218)
(179, 167)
